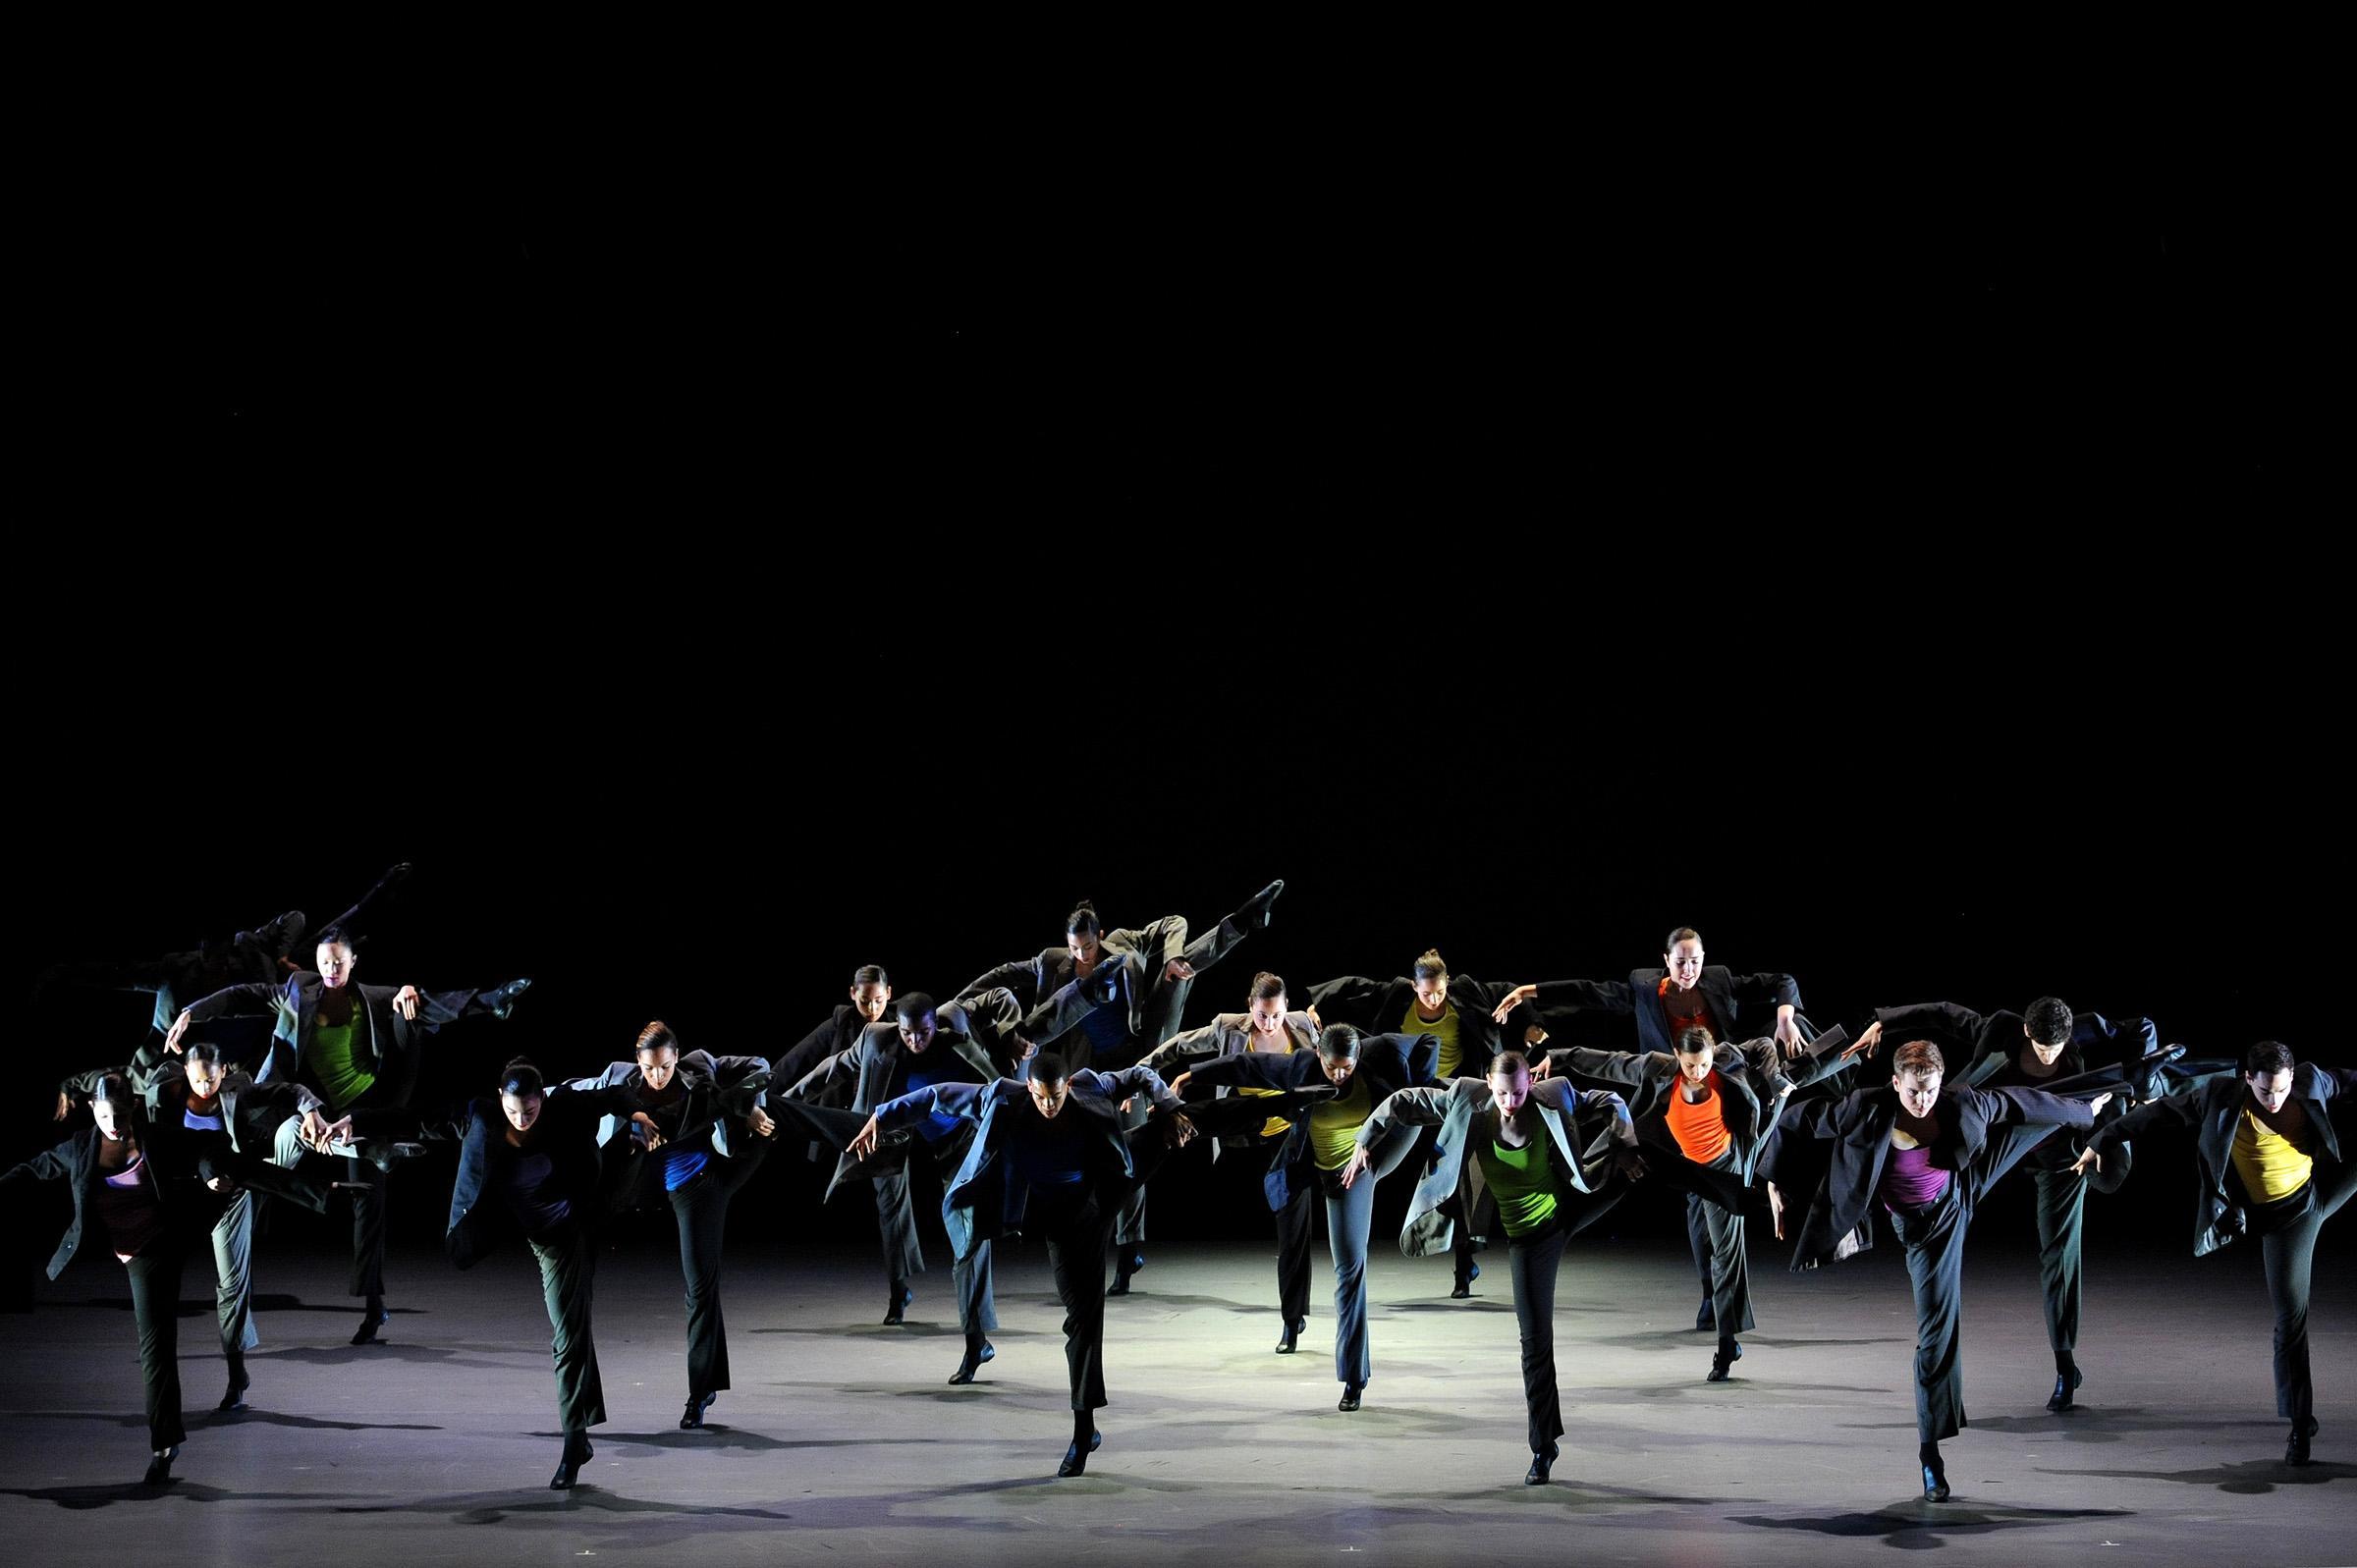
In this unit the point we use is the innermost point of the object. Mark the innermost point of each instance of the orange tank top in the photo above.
(1699, 1126)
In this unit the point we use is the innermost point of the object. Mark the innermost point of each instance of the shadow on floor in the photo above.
(2109, 1424)
(2249, 1477)
(1920, 1526)
(79, 1498)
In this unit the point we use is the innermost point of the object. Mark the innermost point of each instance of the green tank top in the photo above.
(1333, 1125)
(334, 1061)
(1522, 1181)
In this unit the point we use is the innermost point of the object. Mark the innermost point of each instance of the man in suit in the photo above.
(1556, 1156)
(1466, 1020)
(1353, 1074)
(1049, 1156)
(979, 1040)
(1139, 981)
(2267, 1161)
(1926, 1149)
(342, 1046)
(1684, 992)
(692, 1125)
(1705, 1110)
(2044, 1043)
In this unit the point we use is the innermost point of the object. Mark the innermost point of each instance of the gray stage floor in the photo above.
(840, 1441)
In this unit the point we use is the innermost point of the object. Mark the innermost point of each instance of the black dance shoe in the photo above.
(278, 937)
(383, 1153)
(1934, 1478)
(900, 1296)
(577, 1453)
(503, 999)
(974, 1363)
(692, 1417)
(2064, 1381)
(159, 1468)
(1132, 1263)
(2295, 1452)
(1074, 1460)
(1706, 1316)
(1291, 1337)
(1727, 1355)
(372, 1321)
(1540, 1466)
(1350, 1399)
(1254, 915)
(238, 1382)
(1464, 1288)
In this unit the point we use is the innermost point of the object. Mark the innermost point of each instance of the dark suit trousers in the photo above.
(2062, 1217)
(1531, 1262)
(233, 1274)
(155, 1303)
(2287, 1231)
(1077, 1225)
(1934, 1237)
(568, 1259)
(1296, 1231)
(367, 1205)
(896, 1216)
(703, 1209)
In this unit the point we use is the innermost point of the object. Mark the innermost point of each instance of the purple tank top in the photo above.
(1910, 1180)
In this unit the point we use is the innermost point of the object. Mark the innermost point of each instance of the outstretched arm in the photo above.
(1020, 977)
(246, 1000)
(1181, 1049)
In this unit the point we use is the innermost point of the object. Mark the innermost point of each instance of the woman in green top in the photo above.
(1549, 1154)
(1351, 1074)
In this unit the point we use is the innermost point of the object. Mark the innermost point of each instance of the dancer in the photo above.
(1049, 1156)
(1706, 1109)
(1558, 1159)
(1266, 1027)
(130, 1196)
(871, 1001)
(1362, 1071)
(1927, 1150)
(977, 1041)
(345, 1046)
(226, 1127)
(2269, 1164)
(1139, 980)
(528, 1165)
(2044, 1044)
(696, 1124)
(1463, 1015)
(1683, 993)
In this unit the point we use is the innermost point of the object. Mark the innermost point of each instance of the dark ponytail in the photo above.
(521, 1078)
(1082, 922)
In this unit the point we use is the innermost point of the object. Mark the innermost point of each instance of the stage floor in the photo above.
(842, 1441)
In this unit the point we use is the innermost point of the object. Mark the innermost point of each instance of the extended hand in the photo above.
(65, 1106)
(1864, 1045)
(221, 1183)
(1513, 998)
(1775, 1209)
(2087, 1159)
(179, 1026)
(1179, 1084)
(759, 1120)
(1788, 1033)
(1183, 1132)
(1177, 970)
(649, 1137)
(864, 1142)
(405, 1003)
(1356, 1166)
(2094, 1107)
(1629, 1163)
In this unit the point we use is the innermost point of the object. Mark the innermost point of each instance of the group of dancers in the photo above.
(1042, 1098)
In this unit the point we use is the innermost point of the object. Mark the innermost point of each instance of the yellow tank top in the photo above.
(1444, 1031)
(2269, 1164)
(1334, 1125)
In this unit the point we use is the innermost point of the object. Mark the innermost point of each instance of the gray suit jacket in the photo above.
(1584, 1125)
(1140, 953)
(720, 1091)
(1754, 1074)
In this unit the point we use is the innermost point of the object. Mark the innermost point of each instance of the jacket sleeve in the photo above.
(2033, 1107)
(1603, 1101)
(1184, 1049)
(1772, 990)
(808, 1052)
(1020, 977)
(1142, 1079)
(47, 1166)
(233, 1002)
(744, 1082)
(1784, 1072)
(1427, 1106)
(1585, 996)
(1947, 1019)
(1162, 942)
(2184, 1108)
(1347, 999)
(1260, 1070)
(842, 1066)
(1630, 1067)
(961, 1100)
